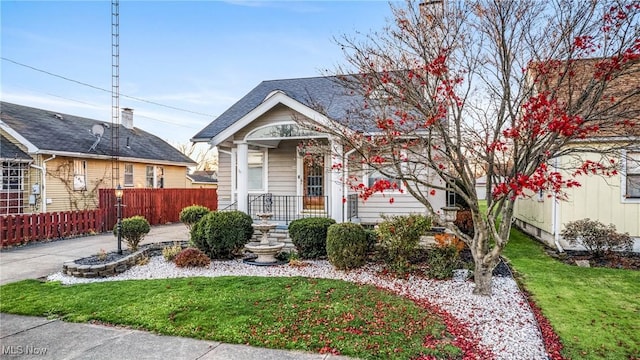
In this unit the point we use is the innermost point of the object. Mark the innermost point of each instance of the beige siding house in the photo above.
(58, 162)
(265, 162)
(608, 199)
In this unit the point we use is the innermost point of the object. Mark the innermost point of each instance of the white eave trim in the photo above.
(270, 102)
(21, 139)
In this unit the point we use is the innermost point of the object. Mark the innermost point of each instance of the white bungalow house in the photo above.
(265, 164)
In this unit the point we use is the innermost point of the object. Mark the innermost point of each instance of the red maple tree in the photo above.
(517, 90)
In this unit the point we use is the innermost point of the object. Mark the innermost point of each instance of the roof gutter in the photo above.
(121, 158)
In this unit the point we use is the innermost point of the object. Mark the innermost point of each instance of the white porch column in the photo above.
(243, 176)
(336, 193)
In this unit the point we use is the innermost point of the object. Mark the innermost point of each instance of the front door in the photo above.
(313, 182)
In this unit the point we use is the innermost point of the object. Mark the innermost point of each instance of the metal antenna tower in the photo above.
(115, 93)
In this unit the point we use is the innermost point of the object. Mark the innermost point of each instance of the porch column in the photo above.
(243, 176)
(336, 193)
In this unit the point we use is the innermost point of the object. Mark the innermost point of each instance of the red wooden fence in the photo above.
(158, 206)
(23, 228)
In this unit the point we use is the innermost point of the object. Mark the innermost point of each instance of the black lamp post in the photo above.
(119, 193)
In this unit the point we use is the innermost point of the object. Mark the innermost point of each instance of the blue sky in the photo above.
(200, 56)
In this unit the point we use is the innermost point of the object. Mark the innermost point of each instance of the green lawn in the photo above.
(595, 311)
(286, 313)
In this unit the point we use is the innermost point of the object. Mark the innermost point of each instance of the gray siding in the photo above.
(224, 179)
(369, 211)
(282, 169)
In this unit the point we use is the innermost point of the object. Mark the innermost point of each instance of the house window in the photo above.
(79, 175)
(160, 177)
(376, 175)
(256, 160)
(632, 174)
(149, 177)
(128, 174)
(12, 175)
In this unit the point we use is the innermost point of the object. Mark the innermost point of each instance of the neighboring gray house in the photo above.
(203, 179)
(262, 162)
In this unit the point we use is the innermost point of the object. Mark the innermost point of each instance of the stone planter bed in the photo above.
(114, 264)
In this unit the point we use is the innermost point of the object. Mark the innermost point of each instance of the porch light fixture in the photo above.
(450, 213)
(119, 192)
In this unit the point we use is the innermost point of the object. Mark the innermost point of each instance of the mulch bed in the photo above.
(615, 260)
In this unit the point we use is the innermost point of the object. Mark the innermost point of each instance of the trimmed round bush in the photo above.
(191, 257)
(220, 234)
(309, 235)
(133, 231)
(192, 214)
(347, 246)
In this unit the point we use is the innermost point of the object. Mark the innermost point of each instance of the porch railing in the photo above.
(286, 208)
(352, 206)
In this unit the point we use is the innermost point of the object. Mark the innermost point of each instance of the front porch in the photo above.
(286, 208)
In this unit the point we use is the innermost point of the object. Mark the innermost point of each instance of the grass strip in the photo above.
(595, 311)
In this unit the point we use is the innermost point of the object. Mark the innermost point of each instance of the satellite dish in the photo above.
(97, 130)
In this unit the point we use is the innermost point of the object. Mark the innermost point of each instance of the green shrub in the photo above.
(399, 237)
(444, 257)
(309, 235)
(597, 237)
(220, 234)
(170, 252)
(372, 239)
(346, 246)
(191, 257)
(133, 231)
(192, 214)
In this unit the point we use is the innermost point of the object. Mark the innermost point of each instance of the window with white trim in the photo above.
(632, 175)
(79, 175)
(149, 177)
(160, 177)
(128, 174)
(12, 175)
(256, 176)
(374, 175)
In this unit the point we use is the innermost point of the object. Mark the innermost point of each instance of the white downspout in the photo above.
(345, 175)
(555, 213)
(43, 172)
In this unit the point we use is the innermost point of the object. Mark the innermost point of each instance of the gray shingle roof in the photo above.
(324, 94)
(203, 177)
(9, 151)
(55, 132)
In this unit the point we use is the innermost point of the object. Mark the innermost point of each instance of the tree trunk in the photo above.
(482, 278)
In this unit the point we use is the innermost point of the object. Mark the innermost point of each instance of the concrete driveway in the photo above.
(37, 260)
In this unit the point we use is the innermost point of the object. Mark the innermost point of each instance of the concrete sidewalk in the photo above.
(24, 337)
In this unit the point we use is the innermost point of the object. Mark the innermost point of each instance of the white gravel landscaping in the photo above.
(503, 322)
